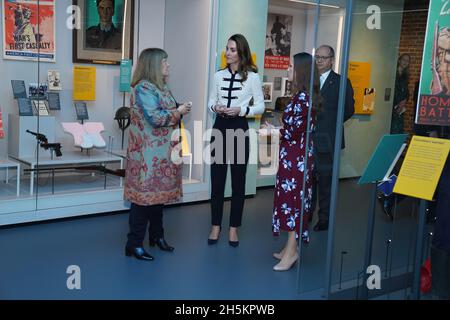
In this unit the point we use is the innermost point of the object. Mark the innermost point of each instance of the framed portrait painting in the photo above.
(105, 35)
(267, 91)
(286, 87)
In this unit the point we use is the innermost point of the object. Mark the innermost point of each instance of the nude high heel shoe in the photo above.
(286, 265)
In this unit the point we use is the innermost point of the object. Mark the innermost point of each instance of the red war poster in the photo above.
(278, 41)
(29, 30)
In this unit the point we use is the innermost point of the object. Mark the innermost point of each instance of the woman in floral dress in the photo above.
(296, 162)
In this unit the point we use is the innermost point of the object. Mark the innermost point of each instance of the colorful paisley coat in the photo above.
(152, 177)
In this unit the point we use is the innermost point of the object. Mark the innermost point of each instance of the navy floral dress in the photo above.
(291, 168)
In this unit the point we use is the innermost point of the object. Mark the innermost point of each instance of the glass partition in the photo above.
(326, 40)
(364, 231)
(24, 47)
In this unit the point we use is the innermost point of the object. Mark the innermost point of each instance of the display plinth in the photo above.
(21, 144)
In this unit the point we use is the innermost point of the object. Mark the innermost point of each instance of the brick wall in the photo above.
(411, 41)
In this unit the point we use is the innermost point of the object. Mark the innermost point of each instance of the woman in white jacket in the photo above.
(230, 99)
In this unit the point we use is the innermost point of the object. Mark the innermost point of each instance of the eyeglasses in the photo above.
(320, 58)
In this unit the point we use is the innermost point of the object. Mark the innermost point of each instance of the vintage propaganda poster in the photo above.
(278, 41)
(29, 33)
(433, 106)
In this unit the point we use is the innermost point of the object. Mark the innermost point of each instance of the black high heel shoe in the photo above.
(234, 244)
(138, 253)
(214, 241)
(161, 243)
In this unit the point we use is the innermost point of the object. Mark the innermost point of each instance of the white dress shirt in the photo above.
(323, 78)
(229, 90)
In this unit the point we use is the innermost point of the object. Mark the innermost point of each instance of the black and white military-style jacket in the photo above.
(229, 90)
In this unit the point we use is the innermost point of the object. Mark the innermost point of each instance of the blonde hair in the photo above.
(149, 67)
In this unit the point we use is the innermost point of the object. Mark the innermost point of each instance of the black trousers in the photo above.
(138, 219)
(323, 175)
(235, 149)
(322, 190)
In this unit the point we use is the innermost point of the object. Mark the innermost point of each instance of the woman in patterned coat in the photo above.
(152, 178)
(296, 162)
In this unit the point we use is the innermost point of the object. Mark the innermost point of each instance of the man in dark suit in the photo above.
(325, 135)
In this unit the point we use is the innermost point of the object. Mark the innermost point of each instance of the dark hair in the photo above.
(405, 74)
(303, 62)
(246, 64)
(113, 2)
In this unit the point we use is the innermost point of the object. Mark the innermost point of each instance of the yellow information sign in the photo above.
(422, 167)
(184, 143)
(84, 83)
(359, 75)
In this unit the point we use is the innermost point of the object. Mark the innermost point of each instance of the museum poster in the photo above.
(359, 75)
(24, 37)
(433, 106)
(278, 41)
(84, 80)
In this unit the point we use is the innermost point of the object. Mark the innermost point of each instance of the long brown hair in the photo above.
(303, 63)
(149, 67)
(246, 63)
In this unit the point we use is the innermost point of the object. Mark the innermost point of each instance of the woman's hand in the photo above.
(219, 108)
(401, 107)
(269, 125)
(185, 108)
(232, 112)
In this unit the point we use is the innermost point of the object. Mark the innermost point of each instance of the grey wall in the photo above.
(187, 26)
(151, 24)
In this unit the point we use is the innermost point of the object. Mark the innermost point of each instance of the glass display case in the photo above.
(65, 99)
